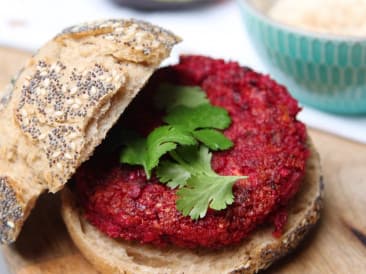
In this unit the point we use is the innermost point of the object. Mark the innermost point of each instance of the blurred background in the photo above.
(324, 69)
(207, 27)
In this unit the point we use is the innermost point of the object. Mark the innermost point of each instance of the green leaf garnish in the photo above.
(164, 139)
(135, 153)
(200, 186)
(203, 192)
(169, 96)
(173, 174)
(190, 119)
(214, 139)
(147, 152)
(202, 116)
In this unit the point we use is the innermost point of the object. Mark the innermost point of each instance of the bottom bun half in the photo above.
(255, 253)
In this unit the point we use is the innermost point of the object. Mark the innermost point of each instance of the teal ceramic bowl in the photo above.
(324, 71)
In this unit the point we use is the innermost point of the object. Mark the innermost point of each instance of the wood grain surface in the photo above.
(337, 245)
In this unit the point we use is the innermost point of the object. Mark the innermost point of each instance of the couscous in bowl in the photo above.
(323, 70)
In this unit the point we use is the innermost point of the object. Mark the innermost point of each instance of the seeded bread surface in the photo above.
(63, 102)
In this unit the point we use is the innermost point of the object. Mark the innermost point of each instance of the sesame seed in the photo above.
(73, 90)
(57, 69)
(48, 110)
(43, 73)
(72, 145)
(69, 101)
(75, 106)
(155, 44)
(10, 224)
(68, 156)
(41, 91)
(147, 51)
(56, 154)
(73, 135)
(247, 265)
(109, 37)
(119, 78)
(42, 119)
(139, 47)
(58, 113)
(42, 136)
(23, 112)
(93, 90)
(140, 35)
(25, 122)
(46, 82)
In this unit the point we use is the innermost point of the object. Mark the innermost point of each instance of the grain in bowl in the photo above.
(339, 17)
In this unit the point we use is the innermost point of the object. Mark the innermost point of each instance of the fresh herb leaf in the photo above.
(147, 152)
(186, 126)
(173, 174)
(203, 116)
(135, 153)
(164, 139)
(190, 118)
(169, 96)
(214, 139)
(203, 188)
(194, 159)
(203, 192)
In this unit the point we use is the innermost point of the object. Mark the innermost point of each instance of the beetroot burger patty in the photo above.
(269, 147)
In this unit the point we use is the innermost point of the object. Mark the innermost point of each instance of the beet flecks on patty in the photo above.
(269, 147)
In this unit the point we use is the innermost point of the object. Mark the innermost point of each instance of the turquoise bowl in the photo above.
(324, 71)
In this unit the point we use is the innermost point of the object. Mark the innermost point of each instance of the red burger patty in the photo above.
(270, 147)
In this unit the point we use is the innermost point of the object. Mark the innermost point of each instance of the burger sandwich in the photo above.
(197, 167)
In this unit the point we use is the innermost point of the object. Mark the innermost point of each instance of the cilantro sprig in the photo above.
(200, 187)
(191, 129)
(169, 96)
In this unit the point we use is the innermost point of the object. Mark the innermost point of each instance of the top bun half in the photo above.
(62, 104)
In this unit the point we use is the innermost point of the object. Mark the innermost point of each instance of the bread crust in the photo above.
(256, 253)
(64, 101)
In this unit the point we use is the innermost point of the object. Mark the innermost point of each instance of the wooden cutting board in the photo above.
(337, 245)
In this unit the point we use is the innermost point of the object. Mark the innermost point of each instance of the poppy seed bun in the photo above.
(255, 253)
(63, 102)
